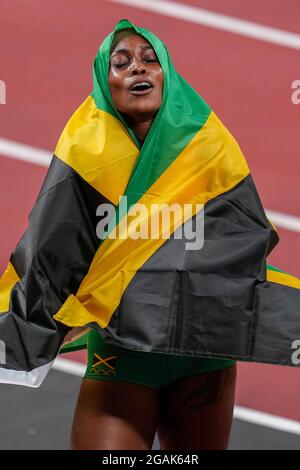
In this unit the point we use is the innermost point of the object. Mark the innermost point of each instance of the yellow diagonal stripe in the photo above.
(283, 278)
(7, 281)
(98, 147)
(211, 164)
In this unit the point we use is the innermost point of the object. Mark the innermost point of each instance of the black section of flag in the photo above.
(51, 259)
(214, 301)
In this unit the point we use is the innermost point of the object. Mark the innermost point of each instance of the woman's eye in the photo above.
(151, 60)
(119, 65)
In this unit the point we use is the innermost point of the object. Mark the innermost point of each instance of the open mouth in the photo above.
(141, 88)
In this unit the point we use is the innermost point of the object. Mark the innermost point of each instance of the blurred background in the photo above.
(243, 58)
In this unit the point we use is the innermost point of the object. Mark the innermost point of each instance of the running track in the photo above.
(46, 51)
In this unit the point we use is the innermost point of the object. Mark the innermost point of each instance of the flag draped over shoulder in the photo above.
(147, 294)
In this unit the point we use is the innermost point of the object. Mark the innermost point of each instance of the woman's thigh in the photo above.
(197, 411)
(115, 415)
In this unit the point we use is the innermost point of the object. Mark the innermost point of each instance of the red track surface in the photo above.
(46, 55)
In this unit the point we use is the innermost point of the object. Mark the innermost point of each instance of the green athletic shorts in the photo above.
(110, 362)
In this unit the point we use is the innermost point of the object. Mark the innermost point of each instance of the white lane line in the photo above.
(69, 367)
(289, 222)
(217, 21)
(240, 412)
(15, 150)
(11, 149)
(266, 419)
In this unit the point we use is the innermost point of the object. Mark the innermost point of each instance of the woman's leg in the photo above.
(114, 415)
(197, 411)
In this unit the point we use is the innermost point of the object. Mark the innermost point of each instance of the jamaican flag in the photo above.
(161, 294)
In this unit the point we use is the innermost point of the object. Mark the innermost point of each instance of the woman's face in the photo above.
(135, 77)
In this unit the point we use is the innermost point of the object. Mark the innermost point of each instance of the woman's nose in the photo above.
(137, 67)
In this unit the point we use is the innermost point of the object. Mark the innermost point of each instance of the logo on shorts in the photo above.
(104, 366)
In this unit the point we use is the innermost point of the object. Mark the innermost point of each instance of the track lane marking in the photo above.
(219, 21)
(26, 153)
